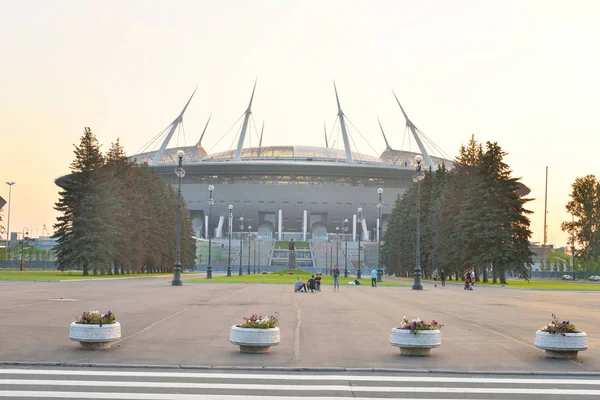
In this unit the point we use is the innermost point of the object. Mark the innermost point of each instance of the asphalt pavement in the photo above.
(486, 330)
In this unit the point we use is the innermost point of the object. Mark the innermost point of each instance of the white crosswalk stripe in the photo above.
(87, 383)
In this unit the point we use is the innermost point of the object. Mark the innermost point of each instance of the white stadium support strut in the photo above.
(364, 229)
(238, 152)
(387, 145)
(219, 233)
(343, 126)
(206, 227)
(279, 225)
(174, 126)
(203, 132)
(417, 138)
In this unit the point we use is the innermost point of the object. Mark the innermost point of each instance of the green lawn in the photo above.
(54, 275)
(283, 277)
(542, 284)
(281, 244)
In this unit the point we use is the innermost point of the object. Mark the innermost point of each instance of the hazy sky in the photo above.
(523, 73)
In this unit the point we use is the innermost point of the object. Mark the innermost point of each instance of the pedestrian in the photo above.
(373, 277)
(336, 277)
(443, 277)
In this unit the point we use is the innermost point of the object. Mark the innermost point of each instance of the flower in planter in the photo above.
(260, 322)
(560, 327)
(96, 318)
(418, 324)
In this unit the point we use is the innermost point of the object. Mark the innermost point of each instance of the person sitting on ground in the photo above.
(299, 286)
(312, 284)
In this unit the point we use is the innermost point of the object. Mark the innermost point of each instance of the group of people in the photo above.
(469, 279)
(314, 283)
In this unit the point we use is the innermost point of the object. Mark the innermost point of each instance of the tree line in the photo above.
(584, 228)
(472, 217)
(117, 216)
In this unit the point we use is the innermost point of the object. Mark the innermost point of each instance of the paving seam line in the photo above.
(292, 369)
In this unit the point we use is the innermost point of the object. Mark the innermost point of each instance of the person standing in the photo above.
(336, 277)
(443, 277)
(373, 277)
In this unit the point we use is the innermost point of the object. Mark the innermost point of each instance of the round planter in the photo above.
(95, 336)
(253, 340)
(559, 346)
(415, 345)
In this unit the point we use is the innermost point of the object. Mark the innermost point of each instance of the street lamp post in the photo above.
(249, 238)
(10, 185)
(254, 266)
(358, 272)
(230, 229)
(330, 257)
(326, 255)
(23, 238)
(211, 201)
(258, 251)
(379, 206)
(346, 248)
(180, 172)
(241, 243)
(419, 175)
(337, 246)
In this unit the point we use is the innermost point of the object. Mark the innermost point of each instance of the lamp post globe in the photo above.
(358, 271)
(211, 201)
(418, 177)
(180, 172)
(230, 232)
(240, 272)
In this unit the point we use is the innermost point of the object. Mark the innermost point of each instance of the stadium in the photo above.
(284, 192)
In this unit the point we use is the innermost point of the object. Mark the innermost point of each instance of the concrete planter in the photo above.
(253, 340)
(95, 337)
(415, 345)
(559, 346)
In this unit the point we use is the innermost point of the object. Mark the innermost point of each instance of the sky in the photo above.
(522, 73)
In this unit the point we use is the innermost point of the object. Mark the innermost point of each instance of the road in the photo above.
(93, 383)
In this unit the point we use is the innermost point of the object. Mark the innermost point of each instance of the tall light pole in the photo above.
(255, 239)
(337, 246)
(330, 257)
(25, 234)
(379, 206)
(573, 246)
(419, 175)
(249, 237)
(346, 248)
(10, 185)
(230, 229)
(211, 201)
(180, 172)
(241, 243)
(359, 273)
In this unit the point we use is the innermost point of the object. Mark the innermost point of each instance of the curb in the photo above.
(292, 369)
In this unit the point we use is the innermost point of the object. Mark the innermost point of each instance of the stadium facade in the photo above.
(288, 192)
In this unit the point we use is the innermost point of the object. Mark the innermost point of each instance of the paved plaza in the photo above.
(488, 329)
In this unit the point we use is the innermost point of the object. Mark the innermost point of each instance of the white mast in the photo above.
(238, 152)
(413, 129)
(204, 131)
(174, 126)
(325, 129)
(343, 126)
(387, 145)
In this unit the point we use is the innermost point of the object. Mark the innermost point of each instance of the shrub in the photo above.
(96, 318)
(256, 321)
(558, 327)
(418, 324)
